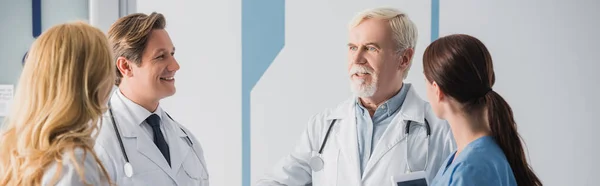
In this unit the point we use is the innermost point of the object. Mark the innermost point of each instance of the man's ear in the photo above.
(124, 67)
(406, 58)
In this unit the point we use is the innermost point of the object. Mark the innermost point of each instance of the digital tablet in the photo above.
(412, 179)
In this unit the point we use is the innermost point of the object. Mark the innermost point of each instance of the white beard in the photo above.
(359, 87)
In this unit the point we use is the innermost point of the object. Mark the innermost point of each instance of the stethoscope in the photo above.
(127, 168)
(316, 162)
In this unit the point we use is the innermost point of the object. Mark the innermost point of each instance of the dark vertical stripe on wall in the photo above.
(36, 17)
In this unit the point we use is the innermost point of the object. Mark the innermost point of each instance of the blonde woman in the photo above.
(62, 93)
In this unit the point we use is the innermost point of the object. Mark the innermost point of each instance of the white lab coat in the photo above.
(340, 155)
(69, 175)
(188, 166)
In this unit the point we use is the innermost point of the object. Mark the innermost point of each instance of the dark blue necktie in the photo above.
(154, 121)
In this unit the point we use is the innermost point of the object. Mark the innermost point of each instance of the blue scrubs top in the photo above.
(482, 162)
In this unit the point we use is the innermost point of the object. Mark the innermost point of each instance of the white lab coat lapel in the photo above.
(412, 110)
(147, 148)
(390, 138)
(347, 139)
(132, 134)
(178, 152)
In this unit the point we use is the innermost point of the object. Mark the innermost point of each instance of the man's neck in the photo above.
(466, 130)
(373, 102)
(150, 105)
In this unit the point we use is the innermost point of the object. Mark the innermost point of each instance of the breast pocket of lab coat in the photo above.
(145, 173)
(329, 174)
(192, 171)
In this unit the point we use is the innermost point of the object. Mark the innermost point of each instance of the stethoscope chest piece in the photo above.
(128, 169)
(316, 163)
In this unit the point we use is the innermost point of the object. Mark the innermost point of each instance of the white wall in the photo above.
(546, 67)
(103, 13)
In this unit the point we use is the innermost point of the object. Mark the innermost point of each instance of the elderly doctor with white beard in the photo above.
(385, 130)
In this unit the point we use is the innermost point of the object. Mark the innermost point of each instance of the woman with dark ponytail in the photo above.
(460, 76)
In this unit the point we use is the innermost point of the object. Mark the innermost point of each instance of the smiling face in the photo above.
(374, 63)
(155, 75)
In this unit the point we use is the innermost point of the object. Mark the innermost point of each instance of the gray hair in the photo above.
(404, 31)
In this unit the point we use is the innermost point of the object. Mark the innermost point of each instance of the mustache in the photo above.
(359, 69)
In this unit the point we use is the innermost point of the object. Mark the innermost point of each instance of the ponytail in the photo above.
(503, 127)
(462, 67)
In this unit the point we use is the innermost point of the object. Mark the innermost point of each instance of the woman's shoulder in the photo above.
(483, 162)
(483, 152)
(73, 164)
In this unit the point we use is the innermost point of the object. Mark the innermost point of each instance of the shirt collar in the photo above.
(139, 113)
(391, 105)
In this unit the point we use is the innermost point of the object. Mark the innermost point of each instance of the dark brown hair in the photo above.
(128, 36)
(462, 67)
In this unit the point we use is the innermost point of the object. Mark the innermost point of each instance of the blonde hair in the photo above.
(128, 36)
(60, 98)
(404, 31)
